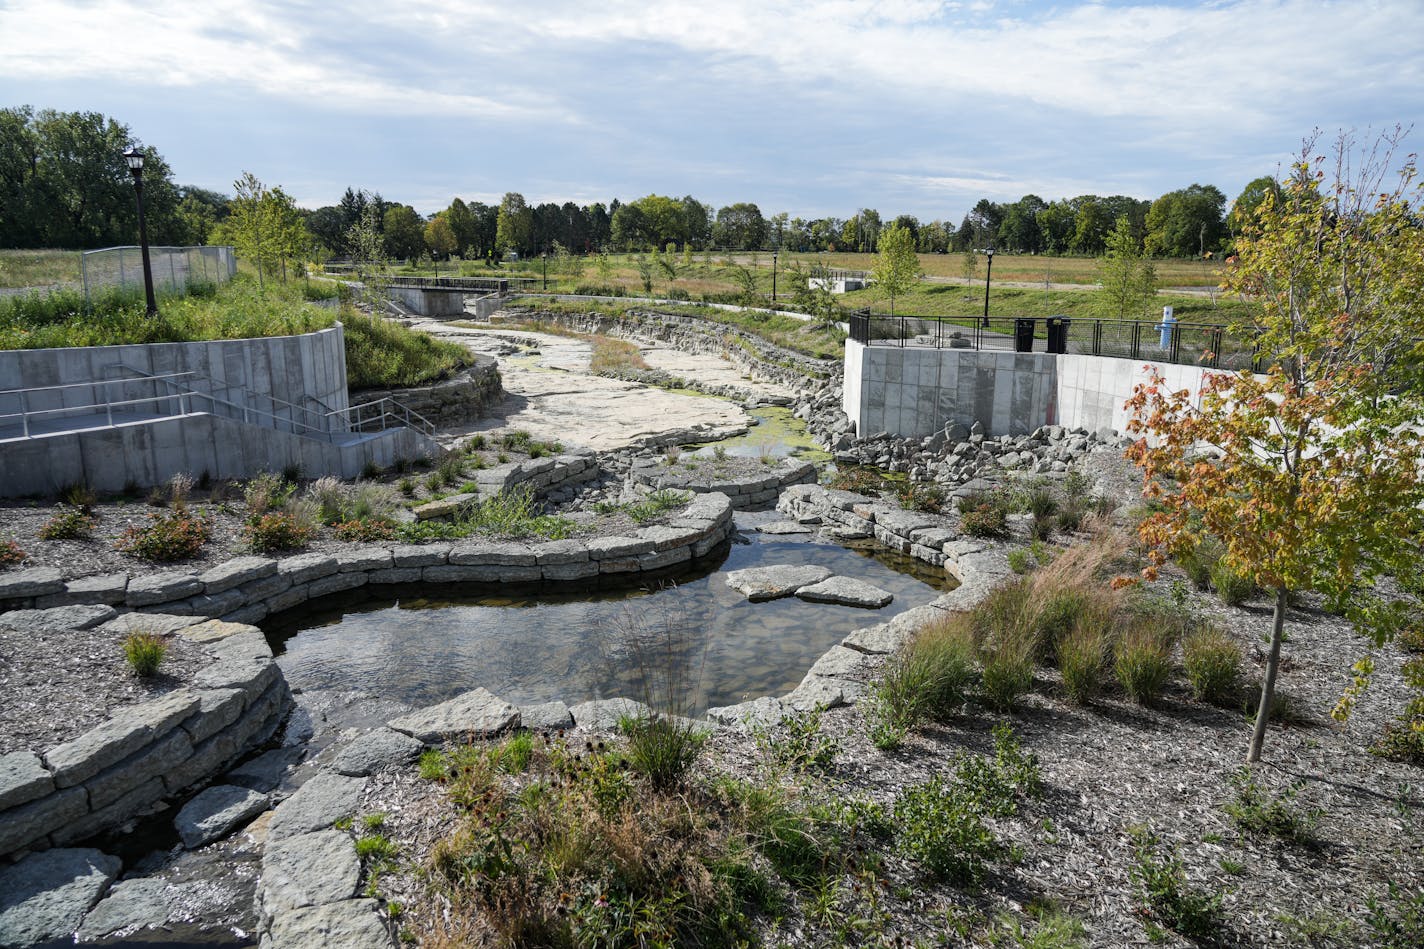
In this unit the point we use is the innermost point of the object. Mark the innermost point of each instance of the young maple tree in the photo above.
(1309, 474)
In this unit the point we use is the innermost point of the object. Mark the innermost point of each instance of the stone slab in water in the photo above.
(784, 527)
(216, 811)
(264, 772)
(376, 750)
(479, 712)
(46, 895)
(129, 905)
(847, 591)
(769, 583)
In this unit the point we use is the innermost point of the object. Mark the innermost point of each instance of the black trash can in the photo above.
(1058, 334)
(1023, 334)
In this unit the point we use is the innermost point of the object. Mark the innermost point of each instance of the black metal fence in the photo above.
(1198, 344)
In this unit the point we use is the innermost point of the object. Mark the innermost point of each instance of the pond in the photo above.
(425, 644)
(778, 434)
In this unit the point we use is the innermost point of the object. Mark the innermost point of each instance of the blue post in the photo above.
(1169, 321)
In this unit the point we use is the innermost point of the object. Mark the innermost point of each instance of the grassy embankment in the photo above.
(378, 353)
(38, 268)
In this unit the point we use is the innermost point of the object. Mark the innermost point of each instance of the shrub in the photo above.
(941, 831)
(858, 480)
(267, 492)
(1256, 811)
(10, 553)
(276, 531)
(985, 514)
(177, 535)
(1213, 663)
(365, 530)
(662, 748)
(1083, 659)
(994, 786)
(1403, 739)
(69, 523)
(1165, 894)
(1233, 588)
(1020, 560)
(145, 652)
(929, 498)
(79, 495)
(1143, 662)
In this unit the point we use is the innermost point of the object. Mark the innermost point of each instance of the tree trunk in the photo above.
(1268, 687)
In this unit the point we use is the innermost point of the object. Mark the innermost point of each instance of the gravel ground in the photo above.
(57, 684)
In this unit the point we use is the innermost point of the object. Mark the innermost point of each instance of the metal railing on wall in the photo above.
(1198, 344)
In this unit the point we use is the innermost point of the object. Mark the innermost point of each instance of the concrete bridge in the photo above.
(443, 296)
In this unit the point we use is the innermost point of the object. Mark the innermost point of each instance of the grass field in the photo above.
(38, 268)
(930, 299)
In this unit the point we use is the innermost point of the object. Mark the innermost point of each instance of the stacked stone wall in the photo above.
(147, 752)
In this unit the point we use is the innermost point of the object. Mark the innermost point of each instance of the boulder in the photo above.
(479, 713)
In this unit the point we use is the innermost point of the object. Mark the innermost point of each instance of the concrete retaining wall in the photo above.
(308, 370)
(745, 493)
(436, 303)
(149, 453)
(916, 391)
(148, 752)
(248, 589)
(462, 398)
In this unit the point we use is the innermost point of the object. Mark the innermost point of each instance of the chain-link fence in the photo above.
(174, 268)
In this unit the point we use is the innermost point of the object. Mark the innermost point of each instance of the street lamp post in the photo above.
(135, 160)
(773, 276)
(989, 272)
(545, 255)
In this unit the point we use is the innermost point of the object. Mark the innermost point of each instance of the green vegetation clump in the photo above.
(277, 531)
(1213, 664)
(512, 514)
(797, 742)
(927, 680)
(1257, 811)
(985, 514)
(177, 535)
(10, 554)
(1166, 896)
(1082, 661)
(69, 523)
(1143, 662)
(144, 652)
(661, 748)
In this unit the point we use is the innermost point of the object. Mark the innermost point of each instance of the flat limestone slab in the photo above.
(216, 811)
(771, 582)
(46, 895)
(847, 591)
(350, 924)
(375, 750)
(784, 527)
(480, 713)
(316, 805)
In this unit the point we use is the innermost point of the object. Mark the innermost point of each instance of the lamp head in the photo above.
(135, 159)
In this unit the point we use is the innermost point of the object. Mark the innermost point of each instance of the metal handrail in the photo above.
(390, 409)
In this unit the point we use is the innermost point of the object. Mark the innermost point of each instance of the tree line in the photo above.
(64, 183)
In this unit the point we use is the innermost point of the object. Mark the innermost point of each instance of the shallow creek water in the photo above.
(424, 645)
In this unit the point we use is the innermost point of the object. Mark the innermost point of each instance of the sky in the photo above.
(814, 107)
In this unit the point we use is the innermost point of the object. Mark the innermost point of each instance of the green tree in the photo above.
(1091, 225)
(1128, 278)
(364, 241)
(264, 226)
(514, 225)
(1310, 475)
(740, 227)
(896, 269)
(404, 231)
(440, 236)
(1186, 223)
(463, 225)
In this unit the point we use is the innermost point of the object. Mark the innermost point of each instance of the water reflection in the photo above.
(426, 644)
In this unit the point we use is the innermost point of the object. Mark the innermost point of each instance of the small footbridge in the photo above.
(447, 296)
